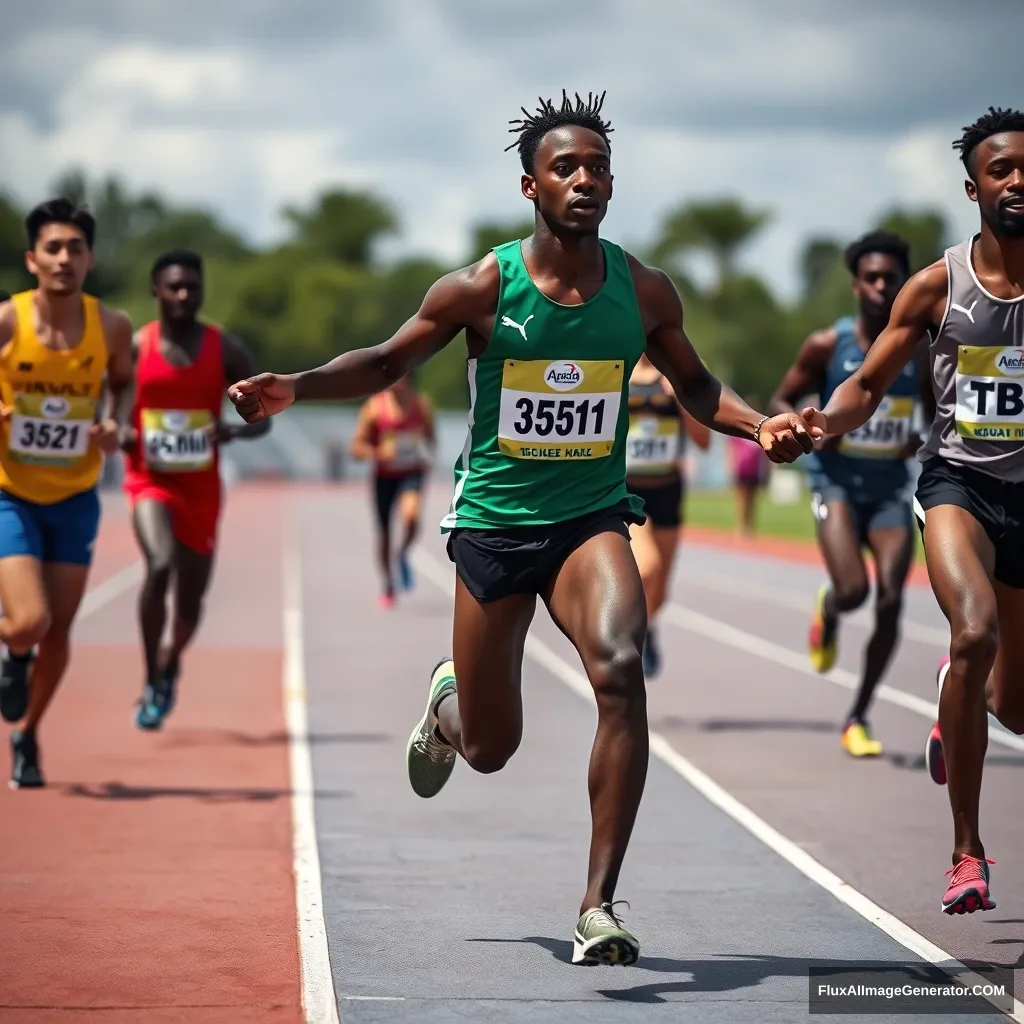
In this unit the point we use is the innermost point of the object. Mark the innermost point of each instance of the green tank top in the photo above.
(549, 411)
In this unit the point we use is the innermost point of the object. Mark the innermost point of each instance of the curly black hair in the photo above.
(997, 120)
(532, 128)
(884, 242)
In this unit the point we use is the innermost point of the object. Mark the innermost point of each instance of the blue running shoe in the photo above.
(405, 580)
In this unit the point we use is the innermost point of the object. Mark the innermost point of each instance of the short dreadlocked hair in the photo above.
(883, 242)
(997, 120)
(532, 128)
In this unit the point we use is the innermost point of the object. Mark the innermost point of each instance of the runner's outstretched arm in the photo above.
(238, 364)
(856, 399)
(456, 301)
(702, 395)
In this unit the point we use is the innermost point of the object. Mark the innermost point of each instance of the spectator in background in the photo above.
(749, 475)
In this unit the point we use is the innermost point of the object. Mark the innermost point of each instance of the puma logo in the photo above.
(969, 313)
(507, 321)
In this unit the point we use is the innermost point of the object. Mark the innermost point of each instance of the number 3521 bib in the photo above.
(559, 410)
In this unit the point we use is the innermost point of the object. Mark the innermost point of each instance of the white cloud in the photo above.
(824, 115)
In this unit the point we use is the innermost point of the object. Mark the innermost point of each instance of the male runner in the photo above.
(396, 430)
(860, 481)
(172, 465)
(658, 430)
(57, 348)
(554, 326)
(971, 490)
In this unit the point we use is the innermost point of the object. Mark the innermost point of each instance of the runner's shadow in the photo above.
(216, 737)
(733, 972)
(746, 724)
(213, 794)
(915, 762)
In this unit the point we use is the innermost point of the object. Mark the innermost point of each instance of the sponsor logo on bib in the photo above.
(562, 376)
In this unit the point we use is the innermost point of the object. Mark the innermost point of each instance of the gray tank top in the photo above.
(978, 375)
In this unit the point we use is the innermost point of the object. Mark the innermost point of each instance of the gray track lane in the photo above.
(461, 908)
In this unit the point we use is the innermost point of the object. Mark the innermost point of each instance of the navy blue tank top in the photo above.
(866, 462)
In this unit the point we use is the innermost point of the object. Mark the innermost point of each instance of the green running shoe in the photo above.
(601, 939)
(429, 758)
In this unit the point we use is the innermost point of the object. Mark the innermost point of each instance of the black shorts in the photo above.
(891, 512)
(497, 563)
(663, 503)
(997, 504)
(387, 489)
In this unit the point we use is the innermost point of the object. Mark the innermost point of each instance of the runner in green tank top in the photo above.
(554, 325)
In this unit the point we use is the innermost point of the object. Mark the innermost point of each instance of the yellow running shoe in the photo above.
(858, 742)
(821, 643)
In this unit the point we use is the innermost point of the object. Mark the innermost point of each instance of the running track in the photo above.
(153, 880)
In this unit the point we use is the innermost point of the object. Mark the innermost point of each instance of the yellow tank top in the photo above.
(46, 453)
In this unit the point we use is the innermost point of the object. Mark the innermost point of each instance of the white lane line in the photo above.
(110, 589)
(799, 858)
(741, 640)
(732, 586)
(319, 1004)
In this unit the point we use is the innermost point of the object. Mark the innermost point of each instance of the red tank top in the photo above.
(174, 408)
(400, 439)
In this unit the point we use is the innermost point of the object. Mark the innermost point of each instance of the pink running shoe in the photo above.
(934, 759)
(386, 602)
(968, 887)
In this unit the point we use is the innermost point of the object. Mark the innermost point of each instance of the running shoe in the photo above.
(600, 938)
(25, 770)
(157, 702)
(429, 758)
(968, 887)
(651, 655)
(857, 741)
(934, 759)
(14, 686)
(405, 580)
(821, 644)
(386, 602)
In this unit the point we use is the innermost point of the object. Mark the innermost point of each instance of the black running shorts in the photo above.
(663, 503)
(388, 489)
(997, 504)
(497, 563)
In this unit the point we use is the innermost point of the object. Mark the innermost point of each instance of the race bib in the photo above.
(402, 448)
(885, 435)
(50, 429)
(177, 440)
(990, 393)
(652, 444)
(559, 410)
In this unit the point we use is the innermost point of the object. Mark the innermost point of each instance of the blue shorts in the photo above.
(62, 532)
(888, 512)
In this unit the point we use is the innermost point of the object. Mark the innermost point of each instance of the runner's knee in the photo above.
(888, 604)
(27, 627)
(158, 575)
(850, 594)
(975, 640)
(616, 674)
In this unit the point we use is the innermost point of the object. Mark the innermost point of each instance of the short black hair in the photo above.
(996, 121)
(4, 295)
(884, 242)
(176, 258)
(534, 127)
(60, 211)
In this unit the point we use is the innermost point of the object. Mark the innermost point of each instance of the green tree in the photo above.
(342, 225)
(720, 228)
(926, 231)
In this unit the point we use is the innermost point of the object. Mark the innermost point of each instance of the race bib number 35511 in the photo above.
(50, 429)
(990, 393)
(559, 410)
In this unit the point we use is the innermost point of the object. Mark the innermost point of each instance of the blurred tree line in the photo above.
(324, 291)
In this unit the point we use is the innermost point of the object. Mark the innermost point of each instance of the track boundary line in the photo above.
(715, 794)
(109, 590)
(319, 1003)
(741, 640)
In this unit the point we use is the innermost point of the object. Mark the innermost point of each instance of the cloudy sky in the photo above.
(825, 113)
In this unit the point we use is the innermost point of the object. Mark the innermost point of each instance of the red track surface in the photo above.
(152, 880)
